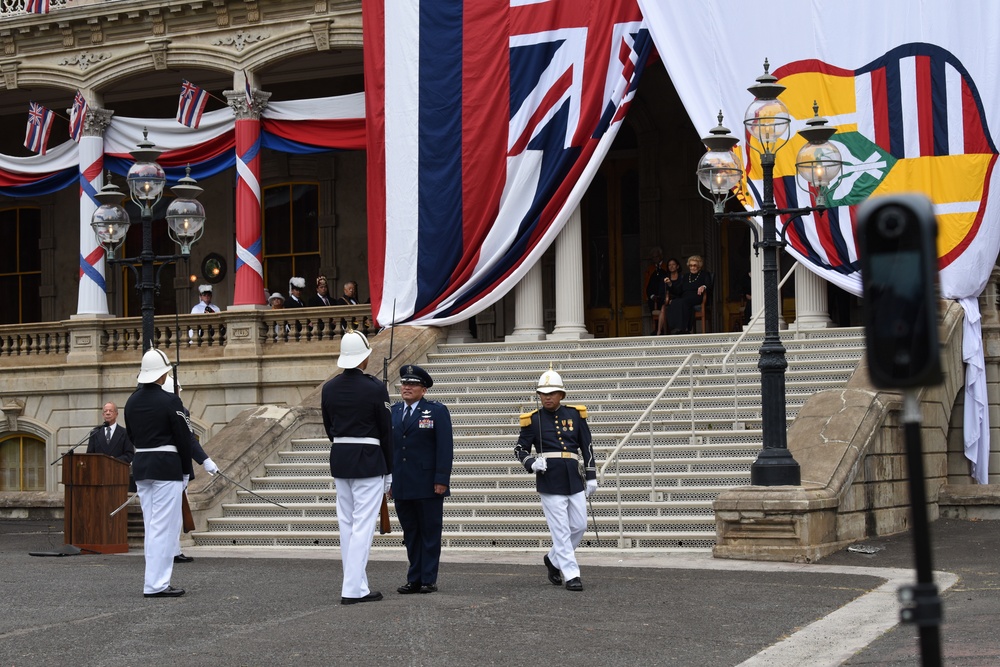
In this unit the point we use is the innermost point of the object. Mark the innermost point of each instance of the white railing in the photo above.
(691, 361)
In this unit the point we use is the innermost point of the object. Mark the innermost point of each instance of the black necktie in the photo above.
(406, 414)
(209, 309)
(107, 434)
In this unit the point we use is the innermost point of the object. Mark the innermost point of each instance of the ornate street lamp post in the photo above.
(768, 122)
(185, 220)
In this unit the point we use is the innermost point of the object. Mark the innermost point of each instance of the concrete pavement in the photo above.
(281, 607)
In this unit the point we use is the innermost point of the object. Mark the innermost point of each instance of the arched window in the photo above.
(291, 234)
(20, 265)
(22, 463)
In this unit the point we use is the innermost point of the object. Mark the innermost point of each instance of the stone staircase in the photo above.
(703, 440)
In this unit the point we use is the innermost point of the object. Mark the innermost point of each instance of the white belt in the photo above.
(356, 441)
(561, 455)
(163, 448)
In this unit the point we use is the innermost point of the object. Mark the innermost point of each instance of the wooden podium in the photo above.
(96, 485)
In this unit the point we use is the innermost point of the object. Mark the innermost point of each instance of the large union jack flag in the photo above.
(487, 120)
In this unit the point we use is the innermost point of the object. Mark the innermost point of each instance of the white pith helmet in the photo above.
(168, 385)
(354, 349)
(550, 382)
(154, 365)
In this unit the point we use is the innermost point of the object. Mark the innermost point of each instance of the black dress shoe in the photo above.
(555, 576)
(429, 588)
(408, 588)
(574, 584)
(371, 597)
(168, 592)
(181, 558)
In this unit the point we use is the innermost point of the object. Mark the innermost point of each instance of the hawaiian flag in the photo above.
(37, 6)
(191, 104)
(486, 120)
(36, 136)
(77, 115)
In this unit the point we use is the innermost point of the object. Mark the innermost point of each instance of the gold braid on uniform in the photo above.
(526, 418)
(582, 409)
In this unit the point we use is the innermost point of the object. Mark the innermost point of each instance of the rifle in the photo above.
(384, 527)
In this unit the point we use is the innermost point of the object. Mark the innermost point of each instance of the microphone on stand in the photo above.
(84, 438)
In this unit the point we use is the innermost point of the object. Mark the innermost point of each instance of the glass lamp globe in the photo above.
(146, 181)
(769, 122)
(186, 221)
(719, 171)
(110, 223)
(819, 164)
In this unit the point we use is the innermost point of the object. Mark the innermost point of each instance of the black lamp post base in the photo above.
(775, 471)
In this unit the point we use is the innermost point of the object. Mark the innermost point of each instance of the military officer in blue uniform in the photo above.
(162, 437)
(422, 450)
(356, 418)
(565, 473)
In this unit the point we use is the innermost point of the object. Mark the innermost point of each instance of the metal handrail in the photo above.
(746, 330)
(689, 362)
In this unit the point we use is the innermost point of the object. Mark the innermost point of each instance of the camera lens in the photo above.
(891, 221)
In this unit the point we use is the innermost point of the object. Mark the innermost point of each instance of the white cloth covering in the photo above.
(567, 519)
(161, 520)
(358, 503)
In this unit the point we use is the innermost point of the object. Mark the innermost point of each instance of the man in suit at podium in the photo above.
(111, 439)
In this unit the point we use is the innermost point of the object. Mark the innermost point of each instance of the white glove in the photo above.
(539, 465)
(591, 487)
(210, 467)
(387, 483)
(187, 478)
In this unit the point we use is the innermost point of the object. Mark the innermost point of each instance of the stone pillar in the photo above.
(460, 333)
(92, 297)
(757, 289)
(811, 310)
(249, 240)
(528, 314)
(569, 282)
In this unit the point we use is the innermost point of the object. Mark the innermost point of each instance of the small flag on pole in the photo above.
(246, 90)
(36, 137)
(37, 6)
(77, 115)
(191, 105)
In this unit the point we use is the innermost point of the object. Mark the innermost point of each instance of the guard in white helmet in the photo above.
(565, 474)
(357, 420)
(162, 465)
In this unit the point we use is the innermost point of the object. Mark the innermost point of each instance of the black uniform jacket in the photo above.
(356, 405)
(422, 451)
(121, 446)
(155, 418)
(564, 430)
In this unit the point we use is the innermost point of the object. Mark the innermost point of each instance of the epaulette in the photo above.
(526, 418)
(582, 409)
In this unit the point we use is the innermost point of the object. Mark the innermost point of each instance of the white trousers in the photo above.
(358, 503)
(567, 519)
(161, 520)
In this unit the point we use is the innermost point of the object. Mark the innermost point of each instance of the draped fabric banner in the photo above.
(297, 126)
(913, 87)
(487, 120)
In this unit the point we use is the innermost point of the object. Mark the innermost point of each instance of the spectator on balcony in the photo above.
(322, 295)
(295, 298)
(276, 301)
(350, 297)
(204, 305)
(693, 285)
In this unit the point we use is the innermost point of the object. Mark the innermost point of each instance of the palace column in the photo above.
(811, 311)
(249, 289)
(529, 321)
(92, 298)
(569, 282)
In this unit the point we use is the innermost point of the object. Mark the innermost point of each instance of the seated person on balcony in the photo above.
(670, 283)
(295, 298)
(322, 295)
(350, 297)
(205, 304)
(683, 299)
(656, 266)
